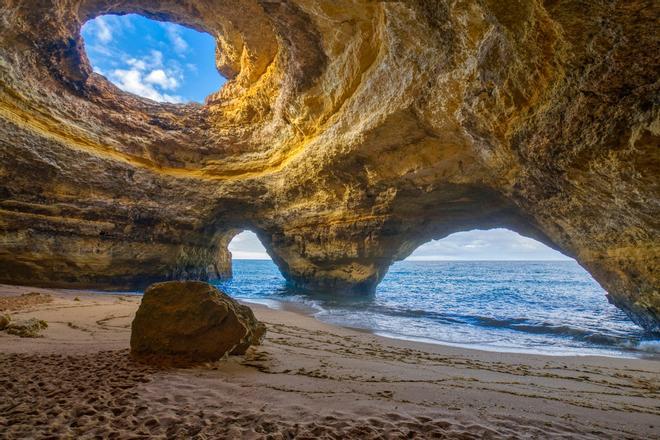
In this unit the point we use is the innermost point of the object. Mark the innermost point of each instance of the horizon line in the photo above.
(416, 260)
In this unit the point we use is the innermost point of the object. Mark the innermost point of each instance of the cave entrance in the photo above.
(161, 61)
(496, 289)
(246, 246)
(254, 275)
(488, 289)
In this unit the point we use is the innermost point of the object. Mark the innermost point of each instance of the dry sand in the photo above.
(309, 380)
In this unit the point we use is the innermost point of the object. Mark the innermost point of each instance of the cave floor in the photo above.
(308, 380)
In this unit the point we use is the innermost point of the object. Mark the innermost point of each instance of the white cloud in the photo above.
(151, 61)
(149, 77)
(527, 243)
(133, 81)
(159, 77)
(106, 28)
(174, 99)
(246, 255)
(140, 69)
(494, 244)
(243, 236)
(103, 30)
(246, 246)
(102, 50)
(475, 244)
(156, 58)
(178, 42)
(137, 64)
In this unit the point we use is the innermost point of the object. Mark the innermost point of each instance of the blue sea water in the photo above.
(548, 307)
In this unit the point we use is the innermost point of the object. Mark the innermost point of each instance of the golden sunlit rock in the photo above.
(193, 322)
(350, 133)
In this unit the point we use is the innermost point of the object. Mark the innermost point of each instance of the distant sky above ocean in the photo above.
(493, 244)
(170, 63)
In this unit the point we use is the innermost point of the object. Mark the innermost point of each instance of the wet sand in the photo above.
(309, 380)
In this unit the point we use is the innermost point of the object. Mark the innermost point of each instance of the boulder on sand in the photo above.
(30, 328)
(192, 321)
(4, 321)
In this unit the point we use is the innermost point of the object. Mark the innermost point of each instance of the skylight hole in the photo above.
(161, 61)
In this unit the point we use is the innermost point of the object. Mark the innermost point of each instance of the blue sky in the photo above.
(160, 61)
(168, 62)
(493, 244)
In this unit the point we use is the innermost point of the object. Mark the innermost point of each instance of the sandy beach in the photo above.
(308, 380)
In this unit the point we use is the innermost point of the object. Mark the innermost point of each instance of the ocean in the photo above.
(543, 307)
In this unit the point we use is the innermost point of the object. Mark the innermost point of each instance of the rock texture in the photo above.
(29, 328)
(350, 132)
(193, 321)
(23, 301)
(4, 321)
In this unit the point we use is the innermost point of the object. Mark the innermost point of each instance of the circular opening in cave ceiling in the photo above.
(161, 61)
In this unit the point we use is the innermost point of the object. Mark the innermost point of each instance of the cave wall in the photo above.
(350, 132)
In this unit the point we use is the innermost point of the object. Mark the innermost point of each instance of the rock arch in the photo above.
(348, 133)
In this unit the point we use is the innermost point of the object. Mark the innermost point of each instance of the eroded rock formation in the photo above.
(350, 133)
(192, 321)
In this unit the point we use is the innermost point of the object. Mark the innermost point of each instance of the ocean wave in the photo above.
(650, 346)
(525, 305)
(400, 312)
(578, 334)
(523, 325)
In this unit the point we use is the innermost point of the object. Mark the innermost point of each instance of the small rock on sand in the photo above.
(193, 321)
(30, 328)
(4, 321)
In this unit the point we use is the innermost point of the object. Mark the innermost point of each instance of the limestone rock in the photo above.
(193, 321)
(349, 133)
(30, 328)
(257, 329)
(4, 321)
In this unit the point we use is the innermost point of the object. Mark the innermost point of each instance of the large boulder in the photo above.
(193, 321)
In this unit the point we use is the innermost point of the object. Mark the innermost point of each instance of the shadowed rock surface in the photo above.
(193, 321)
(4, 321)
(348, 134)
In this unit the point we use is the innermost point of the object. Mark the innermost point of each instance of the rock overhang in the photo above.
(349, 133)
